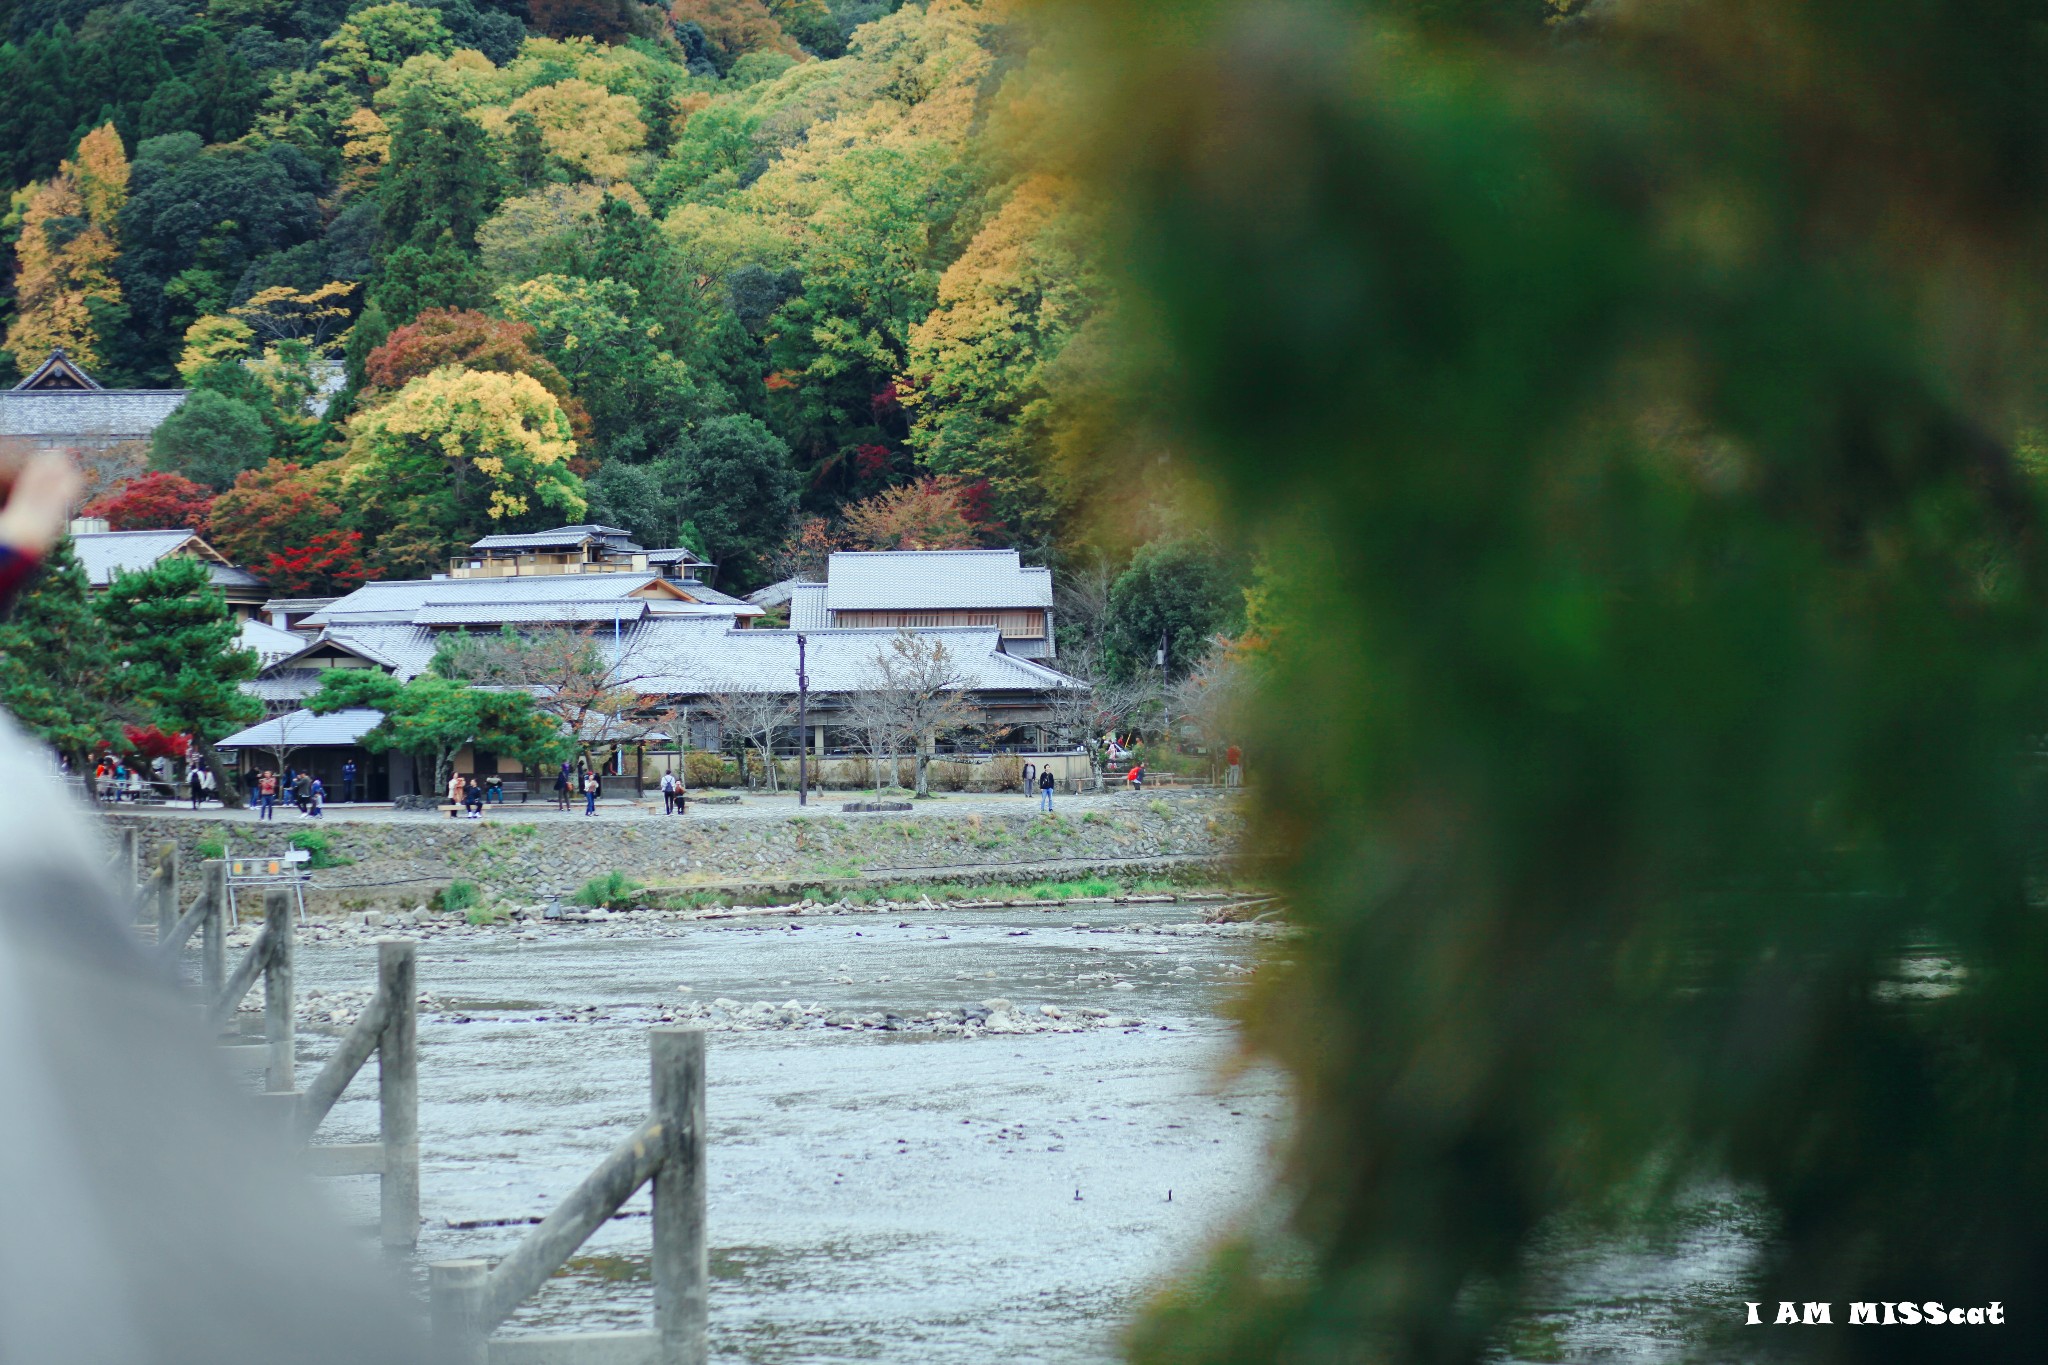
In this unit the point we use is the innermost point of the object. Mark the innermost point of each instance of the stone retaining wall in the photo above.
(395, 865)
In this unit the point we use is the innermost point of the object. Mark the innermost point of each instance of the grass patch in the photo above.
(210, 846)
(314, 842)
(1094, 817)
(487, 914)
(458, 897)
(1158, 807)
(613, 891)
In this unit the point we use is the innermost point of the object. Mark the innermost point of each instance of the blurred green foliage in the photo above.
(1626, 396)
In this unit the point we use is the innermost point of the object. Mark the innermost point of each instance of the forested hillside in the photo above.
(768, 278)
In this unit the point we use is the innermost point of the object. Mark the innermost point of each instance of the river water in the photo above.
(873, 1196)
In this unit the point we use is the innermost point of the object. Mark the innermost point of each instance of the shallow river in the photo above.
(873, 1196)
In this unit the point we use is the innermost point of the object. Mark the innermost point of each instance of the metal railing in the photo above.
(470, 1299)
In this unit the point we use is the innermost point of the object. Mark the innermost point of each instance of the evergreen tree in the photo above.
(58, 674)
(172, 630)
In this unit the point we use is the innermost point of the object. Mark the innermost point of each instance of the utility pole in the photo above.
(803, 728)
(1165, 697)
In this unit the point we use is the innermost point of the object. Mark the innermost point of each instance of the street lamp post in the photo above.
(803, 727)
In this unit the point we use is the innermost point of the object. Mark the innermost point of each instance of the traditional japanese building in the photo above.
(61, 407)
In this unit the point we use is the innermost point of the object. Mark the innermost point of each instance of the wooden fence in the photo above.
(470, 1299)
(388, 1027)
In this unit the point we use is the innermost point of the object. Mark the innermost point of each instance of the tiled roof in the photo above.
(616, 536)
(102, 552)
(883, 580)
(402, 647)
(807, 607)
(703, 657)
(399, 599)
(775, 594)
(679, 554)
(303, 727)
(88, 412)
(522, 613)
(270, 643)
(230, 576)
(709, 596)
(284, 684)
(298, 603)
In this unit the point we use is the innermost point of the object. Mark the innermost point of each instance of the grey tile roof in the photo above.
(402, 647)
(303, 727)
(298, 603)
(284, 684)
(102, 552)
(616, 536)
(882, 580)
(89, 412)
(399, 599)
(807, 607)
(231, 576)
(270, 643)
(677, 554)
(522, 613)
(709, 596)
(775, 594)
(702, 657)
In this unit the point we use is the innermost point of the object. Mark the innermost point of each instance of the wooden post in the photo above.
(213, 943)
(280, 1021)
(681, 1265)
(455, 1297)
(398, 1094)
(130, 862)
(166, 889)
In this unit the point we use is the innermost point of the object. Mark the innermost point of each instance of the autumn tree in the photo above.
(982, 392)
(155, 501)
(454, 454)
(931, 514)
(734, 28)
(66, 293)
(918, 684)
(585, 127)
(329, 564)
(474, 341)
(278, 505)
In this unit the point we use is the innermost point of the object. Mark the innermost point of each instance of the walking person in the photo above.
(348, 782)
(668, 792)
(314, 798)
(590, 790)
(1137, 777)
(562, 787)
(206, 783)
(1233, 773)
(192, 780)
(266, 795)
(302, 790)
(1046, 782)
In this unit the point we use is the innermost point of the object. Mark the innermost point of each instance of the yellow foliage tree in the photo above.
(456, 451)
(213, 340)
(64, 260)
(584, 126)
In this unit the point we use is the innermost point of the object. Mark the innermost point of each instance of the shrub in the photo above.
(314, 842)
(1004, 772)
(949, 776)
(614, 891)
(701, 769)
(486, 914)
(458, 897)
(1158, 807)
(214, 845)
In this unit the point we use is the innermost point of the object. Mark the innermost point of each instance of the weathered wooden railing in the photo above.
(388, 1027)
(470, 1299)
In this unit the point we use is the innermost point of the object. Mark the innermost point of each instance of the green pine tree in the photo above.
(172, 629)
(58, 674)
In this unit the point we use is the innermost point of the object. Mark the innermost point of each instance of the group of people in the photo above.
(570, 781)
(301, 788)
(465, 793)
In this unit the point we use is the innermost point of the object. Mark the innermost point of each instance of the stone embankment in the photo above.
(396, 865)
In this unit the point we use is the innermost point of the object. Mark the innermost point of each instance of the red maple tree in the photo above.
(151, 743)
(156, 501)
(329, 564)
